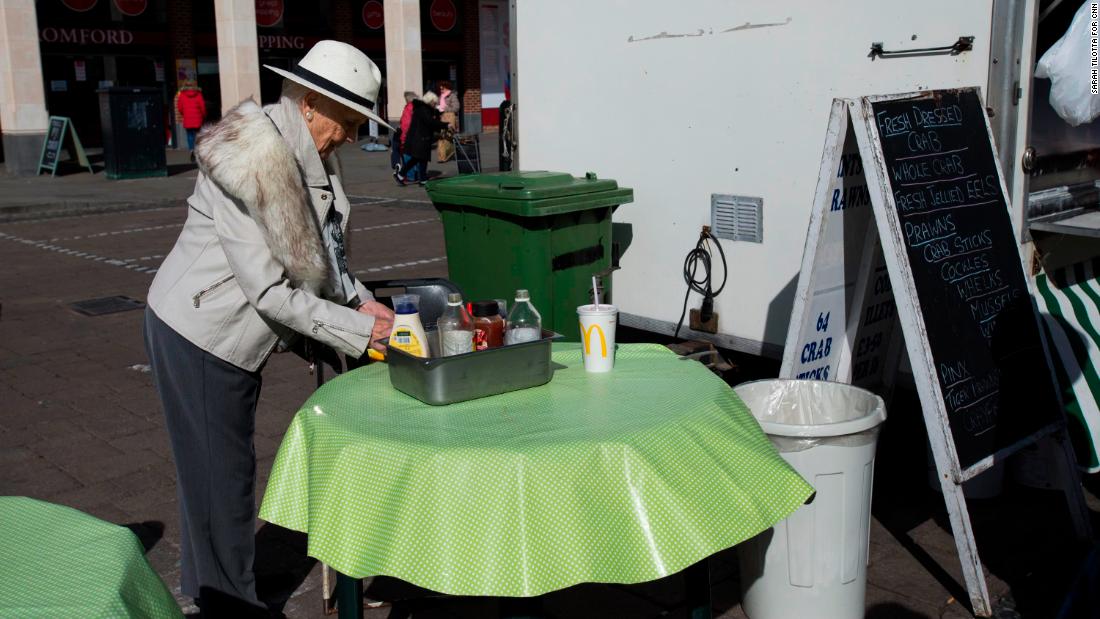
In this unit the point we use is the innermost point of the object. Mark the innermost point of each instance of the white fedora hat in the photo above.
(341, 73)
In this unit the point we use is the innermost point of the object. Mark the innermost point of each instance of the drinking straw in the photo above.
(595, 294)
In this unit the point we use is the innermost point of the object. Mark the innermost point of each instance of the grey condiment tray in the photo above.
(446, 380)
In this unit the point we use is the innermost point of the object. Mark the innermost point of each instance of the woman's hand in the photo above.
(383, 322)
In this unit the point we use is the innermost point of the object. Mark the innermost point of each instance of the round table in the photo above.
(56, 561)
(622, 477)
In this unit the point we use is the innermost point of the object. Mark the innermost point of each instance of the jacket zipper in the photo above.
(200, 294)
(318, 324)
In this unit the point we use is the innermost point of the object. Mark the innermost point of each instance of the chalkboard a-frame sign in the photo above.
(58, 129)
(952, 235)
(910, 228)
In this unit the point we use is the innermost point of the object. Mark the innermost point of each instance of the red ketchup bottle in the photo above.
(488, 325)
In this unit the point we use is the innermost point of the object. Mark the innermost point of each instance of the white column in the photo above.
(238, 54)
(403, 64)
(23, 116)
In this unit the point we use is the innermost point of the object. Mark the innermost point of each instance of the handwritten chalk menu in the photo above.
(59, 127)
(55, 137)
(965, 263)
(932, 264)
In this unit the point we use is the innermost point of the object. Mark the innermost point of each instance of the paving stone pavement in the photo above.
(80, 424)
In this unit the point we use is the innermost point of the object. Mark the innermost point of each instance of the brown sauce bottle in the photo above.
(488, 325)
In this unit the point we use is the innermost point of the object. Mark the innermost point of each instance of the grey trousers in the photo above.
(210, 410)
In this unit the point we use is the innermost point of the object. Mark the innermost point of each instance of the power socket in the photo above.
(710, 326)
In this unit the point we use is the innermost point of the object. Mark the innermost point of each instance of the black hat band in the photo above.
(333, 87)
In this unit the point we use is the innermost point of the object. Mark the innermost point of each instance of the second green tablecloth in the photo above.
(622, 477)
(58, 562)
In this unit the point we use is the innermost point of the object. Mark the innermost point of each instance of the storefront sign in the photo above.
(443, 14)
(79, 5)
(373, 15)
(86, 36)
(268, 12)
(281, 41)
(81, 70)
(132, 8)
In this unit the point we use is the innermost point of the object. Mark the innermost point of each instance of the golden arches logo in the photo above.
(586, 337)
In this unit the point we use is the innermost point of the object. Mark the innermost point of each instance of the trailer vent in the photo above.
(737, 218)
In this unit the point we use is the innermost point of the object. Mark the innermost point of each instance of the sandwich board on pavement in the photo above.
(910, 242)
(57, 129)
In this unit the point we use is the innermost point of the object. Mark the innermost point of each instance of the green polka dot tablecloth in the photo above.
(622, 477)
(58, 562)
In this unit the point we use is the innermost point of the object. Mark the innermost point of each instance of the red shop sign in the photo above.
(79, 5)
(132, 8)
(268, 12)
(443, 15)
(373, 15)
(93, 36)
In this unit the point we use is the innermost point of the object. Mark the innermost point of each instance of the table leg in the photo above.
(349, 597)
(697, 590)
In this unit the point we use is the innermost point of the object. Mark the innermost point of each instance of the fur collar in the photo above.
(247, 157)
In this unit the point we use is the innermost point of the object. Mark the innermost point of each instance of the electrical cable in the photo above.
(701, 256)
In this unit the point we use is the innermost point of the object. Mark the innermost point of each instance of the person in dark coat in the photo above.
(423, 131)
(397, 141)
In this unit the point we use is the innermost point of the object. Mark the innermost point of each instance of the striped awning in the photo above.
(1069, 302)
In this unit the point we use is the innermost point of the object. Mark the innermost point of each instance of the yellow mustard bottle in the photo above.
(408, 333)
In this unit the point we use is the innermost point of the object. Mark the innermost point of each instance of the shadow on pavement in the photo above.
(891, 610)
(406, 600)
(70, 166)
(1024, 535)
(180, 168)
(281, 564)
(218, 605)
(148, 533)
(1083, 600)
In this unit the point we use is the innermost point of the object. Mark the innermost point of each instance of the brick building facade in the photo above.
(471, 65)
(87, 45)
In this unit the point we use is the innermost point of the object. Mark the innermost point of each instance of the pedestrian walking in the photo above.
(448, 109)
(397, 146)
(191, 110)
(259, 267)
(424, 128)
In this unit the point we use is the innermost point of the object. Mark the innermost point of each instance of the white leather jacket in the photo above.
(250, 267)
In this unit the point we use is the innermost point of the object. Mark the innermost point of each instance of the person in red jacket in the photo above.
(397, 149)
(191, 110)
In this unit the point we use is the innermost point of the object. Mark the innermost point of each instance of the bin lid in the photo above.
(529, 194)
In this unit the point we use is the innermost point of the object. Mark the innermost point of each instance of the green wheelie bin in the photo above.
(548, 232)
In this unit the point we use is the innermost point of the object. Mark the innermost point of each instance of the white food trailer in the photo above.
(715, 113)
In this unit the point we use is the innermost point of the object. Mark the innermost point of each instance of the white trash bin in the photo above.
(814, 563)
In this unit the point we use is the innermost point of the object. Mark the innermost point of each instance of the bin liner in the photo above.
(1066, 64)
(800, 414)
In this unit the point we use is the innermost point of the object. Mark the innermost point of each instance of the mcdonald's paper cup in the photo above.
(598, 336)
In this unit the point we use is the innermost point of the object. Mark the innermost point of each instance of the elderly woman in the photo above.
(260, 263)
(448, 109)
(424, 127)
